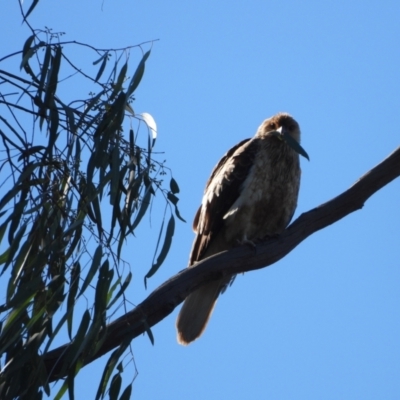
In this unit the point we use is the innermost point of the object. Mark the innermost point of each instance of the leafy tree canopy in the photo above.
(77, 176)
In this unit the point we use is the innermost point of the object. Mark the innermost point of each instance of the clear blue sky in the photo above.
(323, 323)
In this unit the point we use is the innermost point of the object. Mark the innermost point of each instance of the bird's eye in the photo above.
(272, 125)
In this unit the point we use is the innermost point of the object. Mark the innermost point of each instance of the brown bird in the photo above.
(251, 194)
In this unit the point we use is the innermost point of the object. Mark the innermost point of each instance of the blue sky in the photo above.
(324, 321)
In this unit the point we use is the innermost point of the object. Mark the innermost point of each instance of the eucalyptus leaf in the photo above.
(102, 66)
(115, 387)
(126, 395)
(109, 368)
(27, 51)
(137, 76)
(143, 208)
(32, 6)
(173, 184)
(93, 269)
(165, 248)
(120, 80)
(148, 331)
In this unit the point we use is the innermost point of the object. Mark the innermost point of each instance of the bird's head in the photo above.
(283, 123)
(286, 128)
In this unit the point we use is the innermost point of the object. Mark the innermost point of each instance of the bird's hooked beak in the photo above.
(283, 134)
(279, 133)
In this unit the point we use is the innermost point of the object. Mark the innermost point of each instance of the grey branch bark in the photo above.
(162, 301)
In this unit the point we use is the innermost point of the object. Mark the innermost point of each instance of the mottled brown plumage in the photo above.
(251, 194)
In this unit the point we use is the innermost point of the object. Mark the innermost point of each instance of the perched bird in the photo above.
(251, 195)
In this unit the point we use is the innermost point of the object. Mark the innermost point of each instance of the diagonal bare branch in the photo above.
(163, 300)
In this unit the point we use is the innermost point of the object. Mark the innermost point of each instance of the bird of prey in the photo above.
(251, 195)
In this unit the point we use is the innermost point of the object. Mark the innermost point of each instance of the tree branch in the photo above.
(163, 300)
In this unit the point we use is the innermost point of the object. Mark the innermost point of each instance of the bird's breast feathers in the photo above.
(267, 199)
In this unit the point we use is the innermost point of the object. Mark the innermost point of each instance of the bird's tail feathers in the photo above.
(196, 311)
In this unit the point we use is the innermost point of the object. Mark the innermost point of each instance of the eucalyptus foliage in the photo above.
(64, 162)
